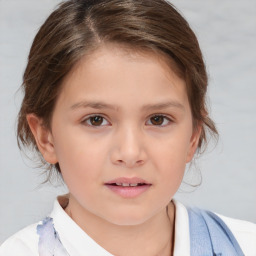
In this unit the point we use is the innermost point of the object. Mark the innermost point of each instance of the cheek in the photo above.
(171, 152)
(80, 157)
(169, 158)
(171, 170)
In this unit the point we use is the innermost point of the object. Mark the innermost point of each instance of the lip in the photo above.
(128, 191)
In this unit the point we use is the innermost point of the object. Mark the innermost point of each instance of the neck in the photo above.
(153, 237)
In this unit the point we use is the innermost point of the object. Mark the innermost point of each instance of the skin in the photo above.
(128, 143)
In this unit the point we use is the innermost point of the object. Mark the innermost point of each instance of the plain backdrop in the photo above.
(227, 34)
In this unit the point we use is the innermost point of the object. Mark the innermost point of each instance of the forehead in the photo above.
(108, 50)
(117, 73)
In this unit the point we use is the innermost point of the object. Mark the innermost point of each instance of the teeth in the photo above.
(127, 184)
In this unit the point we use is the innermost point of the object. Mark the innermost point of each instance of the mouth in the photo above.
(128, 187)
(127, 184)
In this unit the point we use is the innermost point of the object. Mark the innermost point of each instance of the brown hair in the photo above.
(78, 27)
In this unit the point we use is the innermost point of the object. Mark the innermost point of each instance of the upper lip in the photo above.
(133, 180)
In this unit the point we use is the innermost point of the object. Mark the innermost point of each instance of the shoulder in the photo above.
(23, 243)
(244, 232)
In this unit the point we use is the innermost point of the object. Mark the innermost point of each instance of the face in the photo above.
(122, 134)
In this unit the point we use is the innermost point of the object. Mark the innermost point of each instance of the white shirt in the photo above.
(78, 243)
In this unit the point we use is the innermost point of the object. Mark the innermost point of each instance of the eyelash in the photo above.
(169, 120)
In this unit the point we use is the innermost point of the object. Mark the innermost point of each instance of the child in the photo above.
(115, 104)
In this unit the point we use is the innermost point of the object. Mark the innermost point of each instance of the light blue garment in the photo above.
(49, 241)
(210, 236)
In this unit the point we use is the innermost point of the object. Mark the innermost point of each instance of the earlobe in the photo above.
(43, 138)
(194, 143)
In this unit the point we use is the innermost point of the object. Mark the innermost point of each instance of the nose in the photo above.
(129, 149)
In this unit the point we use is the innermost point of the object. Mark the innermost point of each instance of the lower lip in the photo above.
(129, 192)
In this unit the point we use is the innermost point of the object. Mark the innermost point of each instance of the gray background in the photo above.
(227, 33)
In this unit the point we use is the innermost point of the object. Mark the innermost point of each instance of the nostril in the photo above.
(140, 162)
(126, 162)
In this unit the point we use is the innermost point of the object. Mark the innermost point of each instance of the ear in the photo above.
(43, 138)
(194, 142)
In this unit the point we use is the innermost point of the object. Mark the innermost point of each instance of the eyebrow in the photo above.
(93, 104)
(147, 107)
(164, 105)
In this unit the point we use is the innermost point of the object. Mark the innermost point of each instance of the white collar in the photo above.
(77, 242)
(182, 238)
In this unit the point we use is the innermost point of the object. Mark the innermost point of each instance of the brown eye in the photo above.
(157, 120)
(96, 120)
